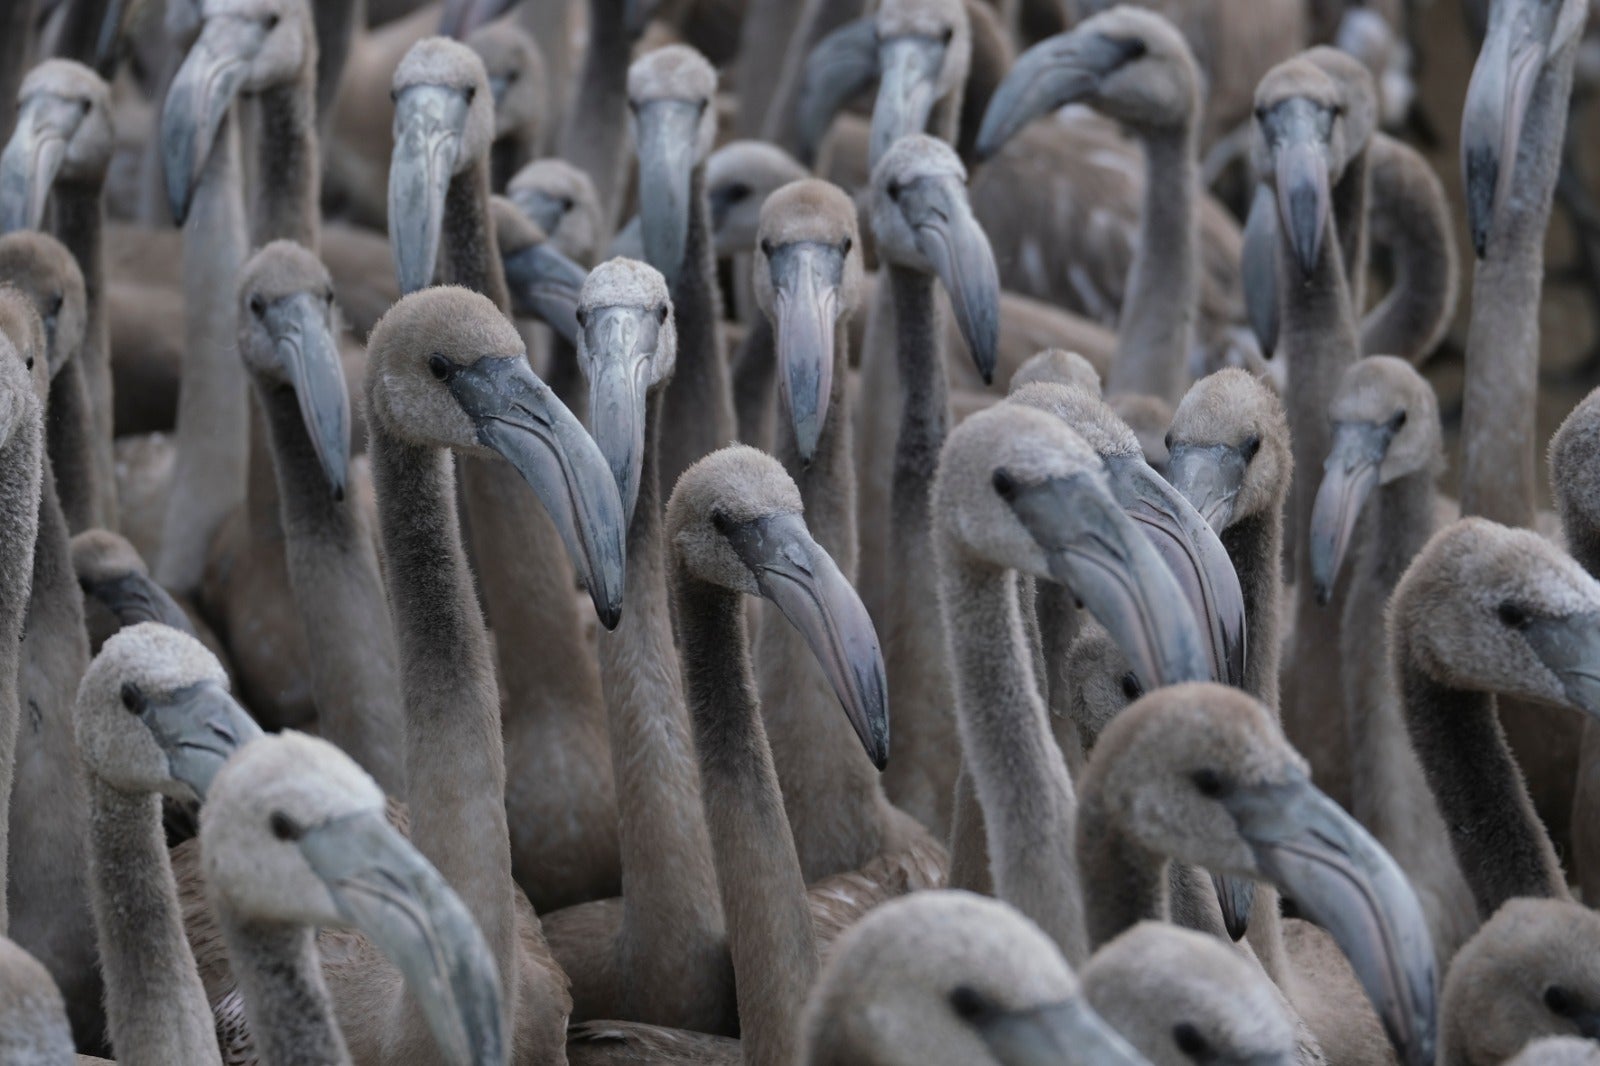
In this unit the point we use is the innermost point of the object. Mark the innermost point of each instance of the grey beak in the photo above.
(298, 326)
(1195, 556)
(1095, 550)
(1068, 1033)
(668, 134)
(1258, 266)
(384, 887)
(544, 285)
(134, 597)
(619, 343)
(543, 209)
(1348, 477)
(1299, 133)
(518, 416)
(1344, 881)
(950, 237)
(806, 277)
(32, 158)
(461, 17)
(198, 728)
(802, 580)
(908, 86)
(1492, 118)
(198, 100)
(428, 123)
(1569, 647)
(1235, 896)
(841, 66)
(1055, 72)
(1209, 478)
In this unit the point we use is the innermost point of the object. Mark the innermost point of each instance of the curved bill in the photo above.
(544, 285)
(1298, 129)
(908, 87)
(1209, 477)
(1569, 647)
(1258, 263)
(134, 597)
(841, 66)
(802, 580)
(1069, 1032)
(619, 343)
(1095, 550)
(1345, 882)
(1053, 73)
(428, 124)
(806, 277)
(461, 17)
(198, 727)
(383, 886)
(1492, 118)
(1195, 556)
(668, 133)
(198, 100)
(950, 237)
(1348, 477)
(518, 416)
(32, 158)
(298, 326)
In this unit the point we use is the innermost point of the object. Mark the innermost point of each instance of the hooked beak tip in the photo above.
(1324, 593)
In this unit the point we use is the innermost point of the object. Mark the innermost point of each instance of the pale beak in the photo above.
(840, 67)
(949, 236)
(1569, 647)
(1069, 1033)
(1209, 477)
(1299, 130)
(1493, 115)
(1258, 269)
(429, 121)
(802, 580)
(806, 277)
(908, 87)
(619, 344)
(518, 416)
(31, 160)
(1053, 73)
(198, 727)
(298, 326)
(545, 284)
(668, 136)
(383, 886)
(1348, 477)
(201, 94)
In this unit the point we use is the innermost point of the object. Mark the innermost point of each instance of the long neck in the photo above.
(155, 1003)
(1498, 430)
(1124, 884)
(1157, 321)
(289, 197)
(829, 786)
(1411, 218)
(754, 376)
(212, 432)
(593, 139)
(69, 433)
(925, 411)
(468, 252)
(697, 417)
(21, 465)
(333, 571)
(1020, 777)
(763, 895)
(1348, 198)
(455, 762)
(1255, 545)
(1497, 838)
(671, 917)
(816, 20)
(80, 224)
(336, 22)
(261, 484)
(285, 997)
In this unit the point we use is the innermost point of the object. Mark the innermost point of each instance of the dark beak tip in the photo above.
(1324, 593)
(610, 617)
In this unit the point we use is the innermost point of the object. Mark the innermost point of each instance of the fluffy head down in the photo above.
(515, 67)
(1575, 468)
(730, 487)
(1055, 366)
(809, 211)
(630, 283)
(447, 64)
(563, 200)
(1383, 390)
(739, 177)
(1237, 410)
(101, 555)
(89, 146)
(41, 267)
(676, 72)
(283, 35)
(909, 159)
(938, 20)
(1158, 89)
(33, 1018)
(26, 366)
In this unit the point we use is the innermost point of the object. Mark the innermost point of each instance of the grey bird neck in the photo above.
(672, 918)
(70, 439)
(763, 894)
(1255, 546)
(594, 137)
(816, 20)
(1498, 840)
(289, 191)
(21, 467)
(697, 415)
(454, 759)
(754, 374)
(1126, 884)
(1410, 218)
(155, 1003)
(469, 254)
(333, 572)
(80, 218)
(1156, 326)
(1498, 424)
(1019, 775)
(285, 996)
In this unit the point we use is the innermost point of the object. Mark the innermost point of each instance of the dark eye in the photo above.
(471, 93)
(948, 35)
(565, 203)
(1131, 688)
(1004, 486)
(132, 698)
(1209, 782)
(270, 23)
(1397, 421)
(29, 363)
(1513, 616)
(583, 317)
(327, 297)
(1190, 1042)
(704, 103)
(968, 1003)
(661, 314)
(438, 366)
(894, 191)
(846, 245)
(258, 306)
(1559, 1000)
(736, 192)
(766, 247)
(394, 96)
(1167, 440)
(283, 827)
(721, 522)
(1251, 445)
(1133, 49)
(512, 75)
(55, 304)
